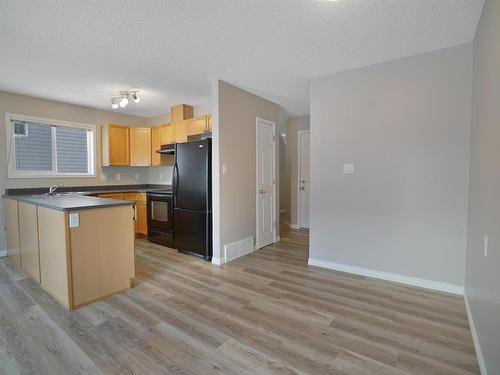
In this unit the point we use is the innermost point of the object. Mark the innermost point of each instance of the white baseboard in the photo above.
(238, 248)
(218, 261)
(3, 253)
(475, 338)
(409, 280)
(293, 226)
(277, 239)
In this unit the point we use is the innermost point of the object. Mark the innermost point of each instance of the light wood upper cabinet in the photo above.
(155, 145)
(12, 231)
(197, 125)
(181, 112)
(140, 147)
(209, 123)
(167, 134)
(28, 239)
(181, 131)
(115, 145)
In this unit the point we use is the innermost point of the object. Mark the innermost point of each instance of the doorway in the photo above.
(304, 191)
(266, 183)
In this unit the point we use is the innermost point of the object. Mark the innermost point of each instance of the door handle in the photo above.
(262, 191)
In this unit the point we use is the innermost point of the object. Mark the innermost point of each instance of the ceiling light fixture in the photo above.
(124, 98)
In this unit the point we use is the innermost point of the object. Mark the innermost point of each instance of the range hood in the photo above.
(166, 149)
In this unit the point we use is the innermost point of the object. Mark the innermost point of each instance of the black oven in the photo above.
(160, 218)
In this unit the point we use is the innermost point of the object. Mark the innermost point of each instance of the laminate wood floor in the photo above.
(265, 313)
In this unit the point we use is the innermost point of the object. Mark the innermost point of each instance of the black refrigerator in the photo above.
(192, 191)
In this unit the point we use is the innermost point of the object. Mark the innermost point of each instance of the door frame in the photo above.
(273, 125)
(299, 138)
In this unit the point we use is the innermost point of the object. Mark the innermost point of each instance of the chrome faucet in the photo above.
(53, 188)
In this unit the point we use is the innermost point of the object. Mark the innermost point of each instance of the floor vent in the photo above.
(239, 248)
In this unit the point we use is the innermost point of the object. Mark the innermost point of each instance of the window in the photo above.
(49, 148)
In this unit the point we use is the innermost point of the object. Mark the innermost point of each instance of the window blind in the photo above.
(72, 150)
(34, 150)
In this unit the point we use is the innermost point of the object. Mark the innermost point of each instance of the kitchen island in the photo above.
(79, 248)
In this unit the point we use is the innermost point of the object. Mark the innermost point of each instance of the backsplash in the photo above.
(160, 175)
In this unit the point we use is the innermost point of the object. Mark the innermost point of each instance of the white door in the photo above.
(265, 183)
(304, 186)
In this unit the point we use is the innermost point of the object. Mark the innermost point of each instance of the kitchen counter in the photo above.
(71, 202)
(89, 190)
(80, 249)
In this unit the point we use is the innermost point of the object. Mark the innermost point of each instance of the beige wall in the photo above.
(482, 272)
(26, 105)
(405, 125)
(235, 146)
(294, 125)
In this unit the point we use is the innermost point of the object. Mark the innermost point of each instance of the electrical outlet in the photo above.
(136, 176)
(118, 177)
(485, 246)
(74, 220)
(161, 176)
(348, 168)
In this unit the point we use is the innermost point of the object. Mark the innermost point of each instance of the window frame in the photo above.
(11, 148)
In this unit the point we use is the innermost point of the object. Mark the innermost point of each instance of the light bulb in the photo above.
(114, 105)
(136, 98)
(123, 102)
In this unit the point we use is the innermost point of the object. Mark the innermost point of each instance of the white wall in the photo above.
(482, 273)
(405, 125)
(235, 146)
(294, 125)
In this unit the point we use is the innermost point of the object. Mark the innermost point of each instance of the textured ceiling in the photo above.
(85, 51)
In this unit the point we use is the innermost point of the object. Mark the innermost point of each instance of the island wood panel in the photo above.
(12, 231)
(140, 147)
(53, 240)
(28, 239)
(102, 250)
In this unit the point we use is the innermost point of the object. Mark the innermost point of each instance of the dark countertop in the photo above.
(81, 199)
(69, 202)
(90, 190)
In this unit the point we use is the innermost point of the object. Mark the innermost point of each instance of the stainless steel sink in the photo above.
(62, 194)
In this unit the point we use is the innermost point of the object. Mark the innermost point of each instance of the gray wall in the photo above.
(405, 125)
(482, 273)
(294, 124)
(235, 130)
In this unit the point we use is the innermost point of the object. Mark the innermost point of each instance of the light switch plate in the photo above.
(224, 169)
(348, 168)
(74, 220)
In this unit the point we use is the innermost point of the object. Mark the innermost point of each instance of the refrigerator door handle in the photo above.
(176, 179)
